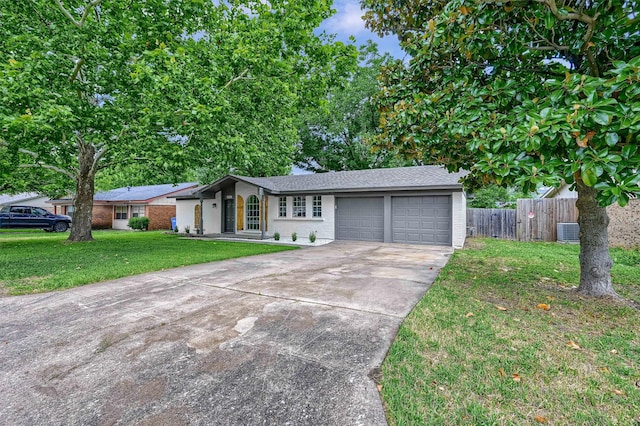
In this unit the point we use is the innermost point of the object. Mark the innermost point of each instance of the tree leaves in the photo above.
(534, 90)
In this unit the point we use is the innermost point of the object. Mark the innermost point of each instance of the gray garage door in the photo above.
(421, 220)
(360, 219)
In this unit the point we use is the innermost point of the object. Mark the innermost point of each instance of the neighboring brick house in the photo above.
(112, 209)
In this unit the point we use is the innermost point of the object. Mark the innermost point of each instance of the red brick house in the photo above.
(112, 209)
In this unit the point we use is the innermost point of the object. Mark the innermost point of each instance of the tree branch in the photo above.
(44, 165)
(586, 40)
(85, 14)
(234, 79)
(76, 70)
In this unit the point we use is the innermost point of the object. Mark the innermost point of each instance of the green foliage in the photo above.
(120, 85)
(522, 93)
(335, 136)
(294, 236)
(494, 196)
(112, 255)
(276, 236)
(187, 229)
(140, 222)
(312, 237)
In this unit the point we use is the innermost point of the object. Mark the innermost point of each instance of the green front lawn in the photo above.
(503, 339)
(35, 262)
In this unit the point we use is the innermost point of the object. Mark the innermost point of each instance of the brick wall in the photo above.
(102, 217)
(160, 216)
(624, 225)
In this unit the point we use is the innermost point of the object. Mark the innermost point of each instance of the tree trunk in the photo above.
(83, 201)
(595, 262)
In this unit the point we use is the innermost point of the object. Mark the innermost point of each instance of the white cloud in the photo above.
(348, 18)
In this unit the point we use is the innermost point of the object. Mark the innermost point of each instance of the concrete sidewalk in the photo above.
(279, 339)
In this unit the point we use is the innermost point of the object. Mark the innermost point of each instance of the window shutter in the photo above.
(196, 216)
(265, 210)
(240, 215)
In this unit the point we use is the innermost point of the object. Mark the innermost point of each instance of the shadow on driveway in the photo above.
(285, 338)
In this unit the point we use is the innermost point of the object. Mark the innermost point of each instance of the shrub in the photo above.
(294, 236)
(140, 222)
(187, 229)
(312, 237)
(276, 236)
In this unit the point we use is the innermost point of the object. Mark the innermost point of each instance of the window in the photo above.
(121, 212)
(299, 207)
(317, 206)
(253, 213)
(282, 210)
(137, 211)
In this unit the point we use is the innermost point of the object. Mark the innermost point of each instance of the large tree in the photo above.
(524, 92)
(168, 85)
(335, 136)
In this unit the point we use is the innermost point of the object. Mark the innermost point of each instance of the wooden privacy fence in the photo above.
(537, 218)
(494, 223)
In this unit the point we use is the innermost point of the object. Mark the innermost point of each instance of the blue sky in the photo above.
(348, 21)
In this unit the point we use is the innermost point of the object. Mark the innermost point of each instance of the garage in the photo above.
(421, 220)
(360, 219)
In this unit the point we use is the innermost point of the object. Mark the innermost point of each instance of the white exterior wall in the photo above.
(32, 202)
(185, 214)
(163, 201)
(122, 224)
(323, 227)
(211, 216)
(459, 219)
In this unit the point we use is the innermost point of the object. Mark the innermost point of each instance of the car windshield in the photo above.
(5, 209)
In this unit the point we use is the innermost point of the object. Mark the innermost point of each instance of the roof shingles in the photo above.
(141, 193)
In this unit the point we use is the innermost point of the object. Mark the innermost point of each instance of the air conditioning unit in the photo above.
(569, 232)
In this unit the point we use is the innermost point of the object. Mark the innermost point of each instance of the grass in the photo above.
(480, 349)
(39, 262)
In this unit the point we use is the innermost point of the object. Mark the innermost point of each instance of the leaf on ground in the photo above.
(516, 377)
(573, 345)
(618, 392)
(379, 388)
(540, 419)
(501, 308)
(470, 314)
(502, 373)
(613, 352)
(543, 306)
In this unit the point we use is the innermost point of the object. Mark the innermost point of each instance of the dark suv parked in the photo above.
(33, 217)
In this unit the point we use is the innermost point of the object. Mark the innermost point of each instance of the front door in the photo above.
(229, 216)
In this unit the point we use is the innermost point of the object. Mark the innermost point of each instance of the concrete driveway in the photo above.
(278, 339)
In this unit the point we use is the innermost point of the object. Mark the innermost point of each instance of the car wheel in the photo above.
(60, 226)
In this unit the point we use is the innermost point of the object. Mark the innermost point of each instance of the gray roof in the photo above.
(392, 179)
(18, 198)
(141, 193)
